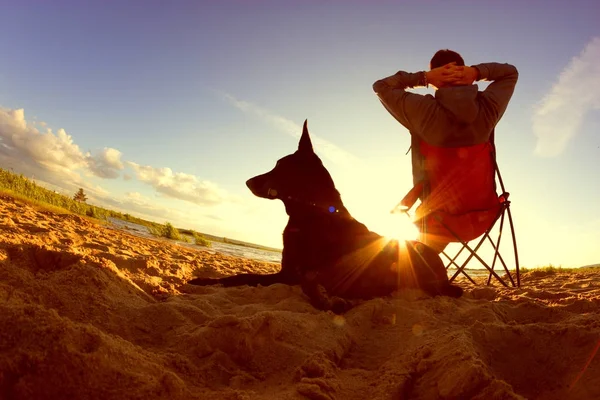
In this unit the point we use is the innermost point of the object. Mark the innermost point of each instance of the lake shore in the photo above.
(87, 311)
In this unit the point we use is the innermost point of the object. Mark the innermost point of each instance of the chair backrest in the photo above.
(459, 179)
(460, 190)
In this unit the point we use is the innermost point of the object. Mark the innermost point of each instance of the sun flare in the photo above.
(397, 226)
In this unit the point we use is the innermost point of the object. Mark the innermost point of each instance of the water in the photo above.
(216, 247)
(246, 252)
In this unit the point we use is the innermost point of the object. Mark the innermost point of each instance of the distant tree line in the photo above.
(20, 185)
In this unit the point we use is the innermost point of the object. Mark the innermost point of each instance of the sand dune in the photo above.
(89, 312)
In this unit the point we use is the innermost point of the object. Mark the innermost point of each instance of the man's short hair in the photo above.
(443, 57)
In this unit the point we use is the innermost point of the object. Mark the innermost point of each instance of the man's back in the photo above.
(457, 115)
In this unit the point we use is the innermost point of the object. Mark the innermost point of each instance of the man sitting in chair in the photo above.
(458, 116)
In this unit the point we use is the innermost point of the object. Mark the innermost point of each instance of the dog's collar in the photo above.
(331, 209)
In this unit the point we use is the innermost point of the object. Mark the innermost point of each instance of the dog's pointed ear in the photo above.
(305, 144)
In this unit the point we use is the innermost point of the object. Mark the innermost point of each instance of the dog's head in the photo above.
(299, 177)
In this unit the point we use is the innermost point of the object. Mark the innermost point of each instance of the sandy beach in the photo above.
(91, 312)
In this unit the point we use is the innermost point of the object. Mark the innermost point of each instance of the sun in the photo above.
(397, 226)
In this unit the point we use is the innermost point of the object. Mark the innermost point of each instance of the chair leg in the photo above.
(496, 246)
(497, 254)
(474, 254)
(503, 264)
(452, 262)
(461, 268)
(514, 239)
(453, 259)
(497, 251)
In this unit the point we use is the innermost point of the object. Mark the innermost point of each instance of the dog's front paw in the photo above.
(320, 299)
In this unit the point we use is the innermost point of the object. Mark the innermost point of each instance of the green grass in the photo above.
(35, 203)
(551, 270)
(186, 239)
(167, 231)
(27, 191)
(170, 232)
(18, 185)
(200, 240)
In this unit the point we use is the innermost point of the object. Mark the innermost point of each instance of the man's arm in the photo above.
(410, 109)
(400, 103)
(499, 92)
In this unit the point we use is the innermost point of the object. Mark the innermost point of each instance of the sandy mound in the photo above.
(88, 312)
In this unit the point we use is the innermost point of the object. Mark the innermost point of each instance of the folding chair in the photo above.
(459, 204)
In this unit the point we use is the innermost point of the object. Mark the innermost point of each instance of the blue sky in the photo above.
(164, 109)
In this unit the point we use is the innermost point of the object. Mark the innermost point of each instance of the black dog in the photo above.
(334, 257)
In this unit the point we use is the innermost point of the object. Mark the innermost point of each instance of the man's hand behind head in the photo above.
(451, 75)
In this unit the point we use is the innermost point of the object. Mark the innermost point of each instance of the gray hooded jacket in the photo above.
(457, 116)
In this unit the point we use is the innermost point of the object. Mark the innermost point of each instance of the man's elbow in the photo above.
(379, 86)
(514, 71)
(510, 74)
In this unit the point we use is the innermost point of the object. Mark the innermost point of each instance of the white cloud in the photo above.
(179, 185)
(106, 164)
(55, 159)
(323, 147)
(560, 114)
(22, 142)
(50, 157)
(134, 196)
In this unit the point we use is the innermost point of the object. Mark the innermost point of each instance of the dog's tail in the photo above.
(245, 279)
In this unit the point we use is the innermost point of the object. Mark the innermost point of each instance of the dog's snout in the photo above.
(261, 186)
(254, 185)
